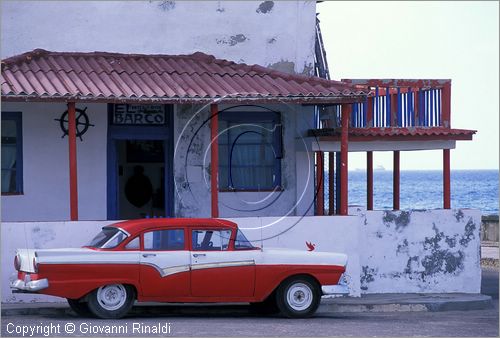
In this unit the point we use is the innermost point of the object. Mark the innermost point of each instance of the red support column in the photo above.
(369, 180)
(214, 162)
(331, 182)
(73, 177)
(395, 181)
(446, 179)
(346, 111)
(320, 192)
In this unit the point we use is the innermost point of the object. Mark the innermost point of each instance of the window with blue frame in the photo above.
(12, 157)
(250, 150)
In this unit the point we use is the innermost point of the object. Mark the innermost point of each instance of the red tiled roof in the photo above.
(397, 133)
(198, 77)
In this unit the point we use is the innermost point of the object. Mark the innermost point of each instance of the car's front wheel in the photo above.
(298, 297)
(111, 301)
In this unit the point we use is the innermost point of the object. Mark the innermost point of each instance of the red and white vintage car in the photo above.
(182, 261)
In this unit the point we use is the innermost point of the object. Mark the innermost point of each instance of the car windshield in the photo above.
(109, 237)
(242, 242)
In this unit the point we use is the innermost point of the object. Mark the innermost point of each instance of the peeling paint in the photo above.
(283, 66)
(166, 5)
(459, 215)
(401, 221)
(403, 247)
(469, 233)
(272, 40)
(367, 276)
(308, 69)
(233, 40)
(219, 8)
(265, 7)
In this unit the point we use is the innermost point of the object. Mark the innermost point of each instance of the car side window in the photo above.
(133, 244)
(211, 240)
(171, 239)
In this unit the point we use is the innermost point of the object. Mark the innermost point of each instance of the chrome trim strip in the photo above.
(221, 264)
(174, 270)
(124, 231)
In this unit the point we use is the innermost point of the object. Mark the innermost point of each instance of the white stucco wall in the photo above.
(419, 251)
(46, 165)
(279, 34)
(192, 182)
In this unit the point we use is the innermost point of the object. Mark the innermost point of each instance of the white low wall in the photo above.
(416, 251)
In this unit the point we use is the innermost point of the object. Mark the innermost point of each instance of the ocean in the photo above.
(475, 189)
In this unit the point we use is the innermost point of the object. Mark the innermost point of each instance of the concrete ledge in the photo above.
(366, 303)
(411, 302)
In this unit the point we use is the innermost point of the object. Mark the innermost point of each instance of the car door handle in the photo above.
(148, 255)
(199, 255)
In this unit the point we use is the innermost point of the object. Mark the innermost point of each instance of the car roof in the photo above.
(138, 225)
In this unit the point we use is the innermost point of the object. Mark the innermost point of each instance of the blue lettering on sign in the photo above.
(138, 114)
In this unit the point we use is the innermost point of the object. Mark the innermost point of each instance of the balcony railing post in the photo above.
(446, 105)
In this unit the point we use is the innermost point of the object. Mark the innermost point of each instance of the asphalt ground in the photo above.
(239, 321)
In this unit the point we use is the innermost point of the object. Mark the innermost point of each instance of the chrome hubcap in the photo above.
(299, 296)
(112, 297)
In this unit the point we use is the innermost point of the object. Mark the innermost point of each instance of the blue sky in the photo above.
(457, 40)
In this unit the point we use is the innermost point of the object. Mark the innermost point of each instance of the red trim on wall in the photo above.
(446, 105)
(346, 111)
(214, 163)
(73, 177)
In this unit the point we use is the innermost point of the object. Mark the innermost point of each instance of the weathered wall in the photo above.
(46, 165)
(278, 34)
(420, 251)
(192, 168)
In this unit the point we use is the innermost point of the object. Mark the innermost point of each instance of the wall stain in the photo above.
(265, 7)
(308, 69)
(401, 221)
(219, 8)
(272, 40)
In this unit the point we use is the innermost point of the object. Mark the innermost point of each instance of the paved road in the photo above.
(231, 321)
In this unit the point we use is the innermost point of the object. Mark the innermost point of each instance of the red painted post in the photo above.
(346, 111)
(395, 181)
(331, 182)
(369, 180)
(320, 173)
(214, 163)
(446, 105)
(73, 177)
(369, 112)
(446, 179)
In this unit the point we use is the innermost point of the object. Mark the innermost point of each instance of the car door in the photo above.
(165, 264)
(216, 269)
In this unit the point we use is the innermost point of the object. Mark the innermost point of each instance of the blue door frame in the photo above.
(162, 133)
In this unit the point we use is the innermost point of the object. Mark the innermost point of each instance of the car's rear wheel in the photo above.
(79, 307)
(111, 301)
(298, 297)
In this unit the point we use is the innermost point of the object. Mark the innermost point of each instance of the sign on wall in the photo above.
(135, 114)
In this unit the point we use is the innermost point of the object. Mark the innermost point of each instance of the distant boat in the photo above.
(379, 168)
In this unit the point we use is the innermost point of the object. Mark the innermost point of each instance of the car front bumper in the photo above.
(335, 289)
(29, 285)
